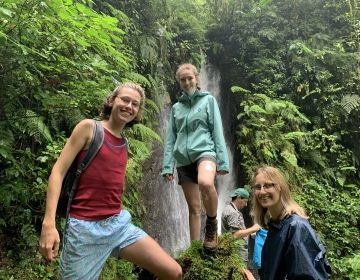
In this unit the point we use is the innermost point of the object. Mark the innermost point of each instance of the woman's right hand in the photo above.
(49, 242)
(169, 177)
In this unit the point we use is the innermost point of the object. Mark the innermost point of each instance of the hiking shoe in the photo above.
(211, 235)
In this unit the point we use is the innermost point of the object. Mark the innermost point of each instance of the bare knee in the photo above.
(207, 188)
(194, 209)
(174, 273)
(177, 273)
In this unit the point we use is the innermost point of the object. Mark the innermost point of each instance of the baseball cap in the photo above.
(240, 192)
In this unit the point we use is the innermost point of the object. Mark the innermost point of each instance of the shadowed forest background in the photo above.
(290, 76)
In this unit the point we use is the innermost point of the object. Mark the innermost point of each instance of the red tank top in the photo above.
(101, 185)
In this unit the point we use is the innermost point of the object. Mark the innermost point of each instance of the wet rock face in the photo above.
(166, 218)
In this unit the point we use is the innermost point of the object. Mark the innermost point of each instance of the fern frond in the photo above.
(145, 133)
(277, 125)
(293, 135)
(237, 89)
(316, 157)
(33, 125)
(138, 150)
(289, 157)
(255, 109)
(274, 106)
(151, 106)
(350, 102)
(37, 127)
(6, 143)
(138, 78)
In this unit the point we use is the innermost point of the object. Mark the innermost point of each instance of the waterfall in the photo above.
(210, 80)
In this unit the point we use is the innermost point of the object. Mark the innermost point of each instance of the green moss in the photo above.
(224, 263)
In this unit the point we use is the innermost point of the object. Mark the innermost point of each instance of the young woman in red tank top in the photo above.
(97, 227)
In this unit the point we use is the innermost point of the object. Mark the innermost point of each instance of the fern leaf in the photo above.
(138, 150)
(289, 157)
(145, 132)
(6, 142)
(256, 109)
(350, 102)
(293, 135)
(138, 78)
(151, 106)
(237, 89)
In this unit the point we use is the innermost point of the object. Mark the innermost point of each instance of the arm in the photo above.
(168, 160)
(245, 232)
(79, 139)
(309, 253)
(222, 159)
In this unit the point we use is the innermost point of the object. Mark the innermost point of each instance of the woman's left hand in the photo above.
(248, 274)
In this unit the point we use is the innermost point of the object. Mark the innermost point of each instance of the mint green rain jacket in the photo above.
(195, 130)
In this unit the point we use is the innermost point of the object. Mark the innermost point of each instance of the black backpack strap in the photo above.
(95, 145)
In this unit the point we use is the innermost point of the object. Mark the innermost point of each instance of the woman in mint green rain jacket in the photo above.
(195, 145)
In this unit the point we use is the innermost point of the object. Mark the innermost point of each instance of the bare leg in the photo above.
(149, 255)
(193, 199)
(206, 181)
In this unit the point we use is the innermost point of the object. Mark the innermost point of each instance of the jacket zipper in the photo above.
(187, 131)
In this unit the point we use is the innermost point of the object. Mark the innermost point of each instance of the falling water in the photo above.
(210, 80)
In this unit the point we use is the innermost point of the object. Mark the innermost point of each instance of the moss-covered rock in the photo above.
(223, 264)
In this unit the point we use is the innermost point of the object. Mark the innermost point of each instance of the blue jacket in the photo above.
(293, 251)
(195, 130)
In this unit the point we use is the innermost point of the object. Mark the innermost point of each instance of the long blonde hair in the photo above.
(291, 207)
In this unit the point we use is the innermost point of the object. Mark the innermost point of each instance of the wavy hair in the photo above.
(260, 213)
(107, 105)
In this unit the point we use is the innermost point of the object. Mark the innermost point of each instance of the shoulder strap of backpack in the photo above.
(95, 144)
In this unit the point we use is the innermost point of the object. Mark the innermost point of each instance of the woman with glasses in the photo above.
(292, 249)
(98, 226)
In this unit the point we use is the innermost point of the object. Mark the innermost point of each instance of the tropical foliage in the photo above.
(294, 66)
(58, 60)
(290, 67)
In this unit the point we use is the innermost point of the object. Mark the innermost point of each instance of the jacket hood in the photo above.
(184, 97)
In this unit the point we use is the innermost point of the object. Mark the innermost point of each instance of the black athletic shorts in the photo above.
(189, 173)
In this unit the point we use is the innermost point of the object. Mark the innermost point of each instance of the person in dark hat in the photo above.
(232, 220)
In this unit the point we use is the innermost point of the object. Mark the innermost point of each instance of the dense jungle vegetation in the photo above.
(290, 69)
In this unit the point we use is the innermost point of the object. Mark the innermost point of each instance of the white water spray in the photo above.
(210, 80)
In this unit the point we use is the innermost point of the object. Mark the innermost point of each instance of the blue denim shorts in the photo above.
(88, 244)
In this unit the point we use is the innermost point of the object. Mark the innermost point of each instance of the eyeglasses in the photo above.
(127, 100)
(265, 186)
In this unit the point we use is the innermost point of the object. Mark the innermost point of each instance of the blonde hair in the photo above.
(186, 66)
(260, 213)
(107, 106)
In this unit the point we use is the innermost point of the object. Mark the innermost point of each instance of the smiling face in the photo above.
(188, 81)
(267, 193)
(188, 78)
(126, 105)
